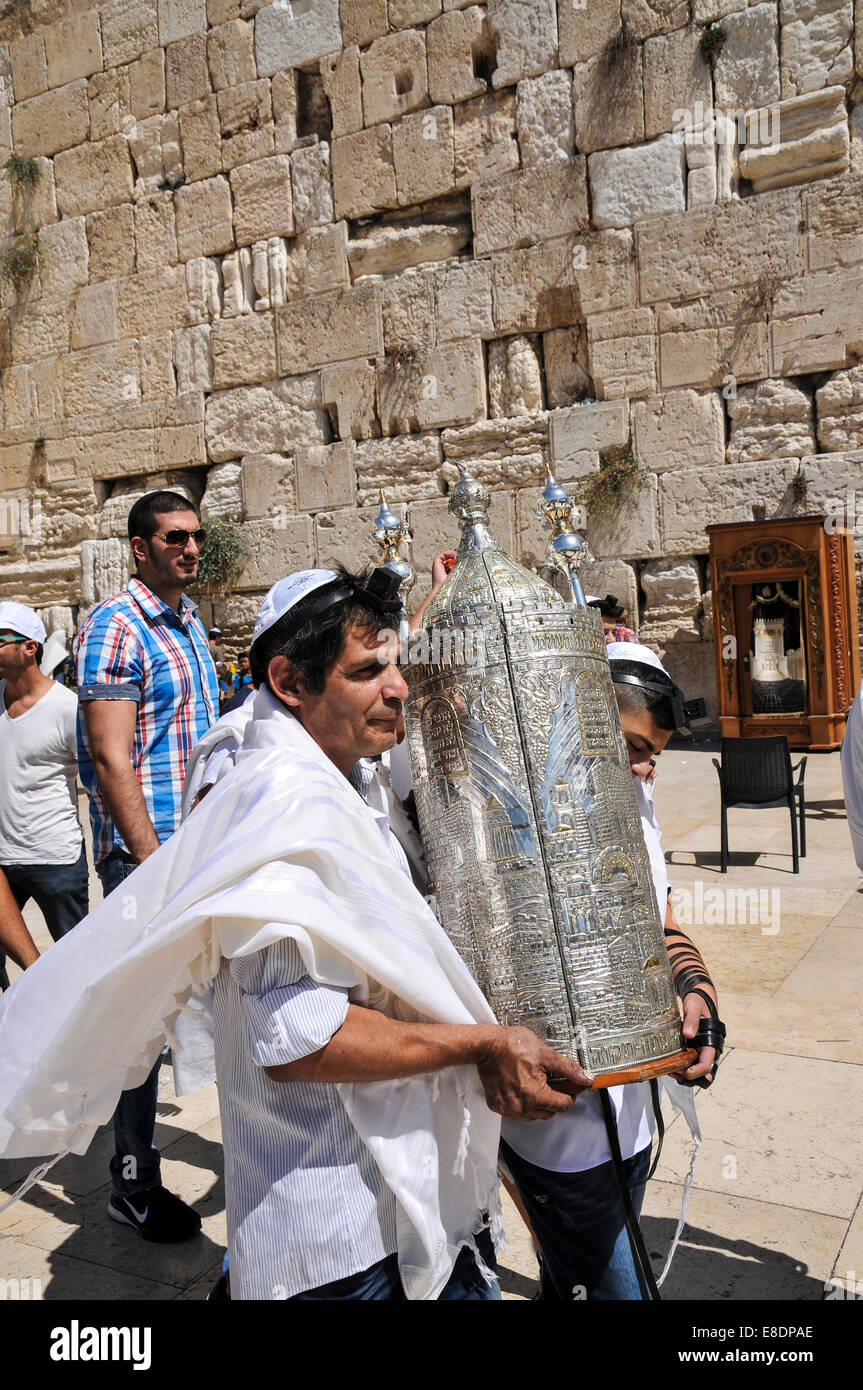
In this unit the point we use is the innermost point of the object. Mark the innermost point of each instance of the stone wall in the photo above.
(283, 255)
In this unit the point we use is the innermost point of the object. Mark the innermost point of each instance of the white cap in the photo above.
(635, 651)
(55, 652)
(17, 617)
(285, 594)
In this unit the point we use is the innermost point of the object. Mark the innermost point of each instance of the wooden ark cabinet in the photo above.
(785, 629)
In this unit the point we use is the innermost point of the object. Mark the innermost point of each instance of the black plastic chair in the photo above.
(757, 773)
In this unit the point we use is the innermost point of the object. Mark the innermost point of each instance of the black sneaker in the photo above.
(156, 1215)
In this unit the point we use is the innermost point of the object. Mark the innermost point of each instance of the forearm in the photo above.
(369, 1046)
(687, 962)
(15, 939)
(126, 805)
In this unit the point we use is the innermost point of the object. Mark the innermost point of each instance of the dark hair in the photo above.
(142, 517)
(610, 607)
(40, 652)
(242, 654)
(313, 644)
(633, 699)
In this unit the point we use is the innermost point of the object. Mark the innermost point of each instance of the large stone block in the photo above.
(408, 312)
(94, 315)
(344, 536)
(129, 29)
(155, 232)
(93, 176)
(290, 36)
(673, 599)
(622, 349)
(578, 434)
(51, 122)
(111, 235)
(261, 420)
(453, 42)
(73, 48)
(245, 120)
(742, 243)
(223, 495)
(530, 206)
(329, 328)
(525, 37)
(404, 13)
(616, 577)
(364, 176)
(244, 350)
(392, 247)
(147, 85)
(32, 394)
(586, 30)
(432, 388)
(155, 149)
(499, 453)
(746, 72)
(608, 94)
(536, 289)
(808, 139)
(643, 19)
(263, 204)
(340, 74)
(630, 185)
(28, 67)
(187, 75)
(514, 377)
(180, 19)
(349, 389)
(109, 96)
(193, 359)
(231, 54)
(546, 130)
(690, 499)
(463, 301)
(98, 377)
(407, 468)
(395, 77)
(276, 547)
(326, 475)
(817, 322)
(268, 485)
(629, 531)
(423, 156)
(201, 137)
(833, 214)
(817, 44)
(567, 368)
(153, 300)
(283, 89)
(676, 78)
(64, 257)
(839, 404)
(204, 289)
(318, 262)
(311, 186)
(484, 137)
(679, 429)
(770, 420)
(363, 21)
(719, 340)
(204, 218)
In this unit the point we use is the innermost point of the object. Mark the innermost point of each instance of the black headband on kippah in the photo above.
(681, 710)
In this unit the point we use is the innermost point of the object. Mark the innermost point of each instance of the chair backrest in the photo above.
(756, 769)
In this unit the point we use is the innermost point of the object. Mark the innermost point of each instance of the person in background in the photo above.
(217, 651)
(613, 616)
(245, 677)
(15, 939)
(148, 691)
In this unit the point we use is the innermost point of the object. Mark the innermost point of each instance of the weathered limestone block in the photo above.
(364, 176)
(407, 468)
(201, 138)
(276, 547)
(231, 54)
(326, 475)
(614, 577)
(268, 485)
(770, 420)
(311, 185)
(58, 619)
(567, 374)
(64, 256)
(809, 140)
(499, 453)
(833, 214)
(261, 420)
(147, 85)
(740, 243)
(453, 41)
(262, 199)
(204, 218)
(73, 48)
(180, 19)
(331, 327)
(608, 93)
(675, 78)
(484, 137)
(203, 288)
(283, 91)
(679, 429)
(51, 122)
(536, 289)
(716, 341)
(432, 388)
(746, 72)
(404, 13)
(344, 536)
(244, 350)
(104, 569)
(816, 48)
(817, 322)
(432, 530)
(525, 37)
(349, 390)
(689, 500)
(109, 97)
(155, 232)
(33, 206)
(340, 74)
(223, 494)
(130, 28)
(111, 235)
(39, 330)
(318, 262)
(630, 531)
(545, 120)
(32, 394)
(245, 121)
(514, 378)
(155, 148)
(193, 358)
(395, 77)
(646, 18)
(839, 404)
(393, 247)
(424, 156)
(577, 435)
(463, 301)
(94, 315)
(702, 173)
(629, 185)
(408, 312)
(673, 597)
(289, 36)
(363, 21)
(28, 66)
(622, 349)
(586, 30)
(98, 377)
(187, 75)
(530, 206)
(706, 11)
(93, 176)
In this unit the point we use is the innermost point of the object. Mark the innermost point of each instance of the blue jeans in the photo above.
(381, 1281)
(578, 1221)
(135, 1166)
(60, 891)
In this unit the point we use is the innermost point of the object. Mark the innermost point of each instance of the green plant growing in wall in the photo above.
(20, 262)
(223, 555)
(616, 485)
(23, 173)
(711, 43)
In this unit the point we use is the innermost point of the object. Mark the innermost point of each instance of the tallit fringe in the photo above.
(683, 1100)
(36, 1175)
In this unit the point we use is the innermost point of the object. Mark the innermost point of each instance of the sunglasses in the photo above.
(180, 537)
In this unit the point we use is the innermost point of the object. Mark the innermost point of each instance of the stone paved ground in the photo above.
(775, 1209)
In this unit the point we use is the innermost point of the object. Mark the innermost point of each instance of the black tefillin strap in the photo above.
(379, 593)
(640, 1257)
(681, 710)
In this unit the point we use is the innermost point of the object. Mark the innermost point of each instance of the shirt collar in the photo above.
(153, 605)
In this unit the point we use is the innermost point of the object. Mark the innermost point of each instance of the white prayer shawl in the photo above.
(226, 734)
(852, 775)
(281, 847)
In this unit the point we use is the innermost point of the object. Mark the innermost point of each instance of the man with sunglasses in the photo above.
(148, 691)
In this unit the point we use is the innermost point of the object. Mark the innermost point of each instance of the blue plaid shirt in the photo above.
(134, 647)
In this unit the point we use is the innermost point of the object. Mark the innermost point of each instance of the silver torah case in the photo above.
(537, 864)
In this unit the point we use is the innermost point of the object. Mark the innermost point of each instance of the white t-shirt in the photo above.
(576, 1140)
(38, 767)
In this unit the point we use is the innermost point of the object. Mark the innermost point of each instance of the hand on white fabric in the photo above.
(514, 1068)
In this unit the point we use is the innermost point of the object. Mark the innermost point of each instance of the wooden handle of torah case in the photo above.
(679, 1062)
